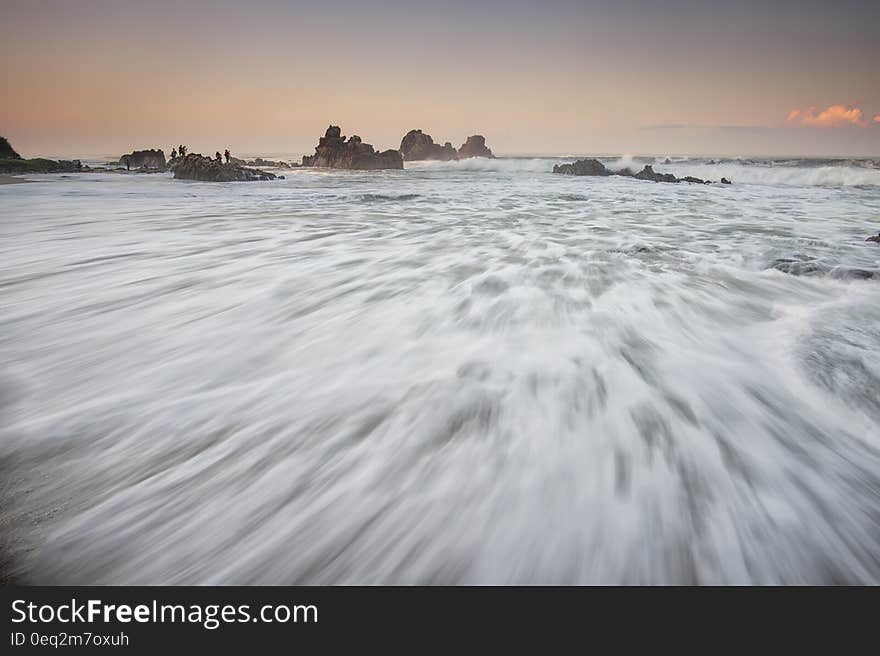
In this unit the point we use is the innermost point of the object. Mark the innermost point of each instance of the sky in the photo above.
(555, 77)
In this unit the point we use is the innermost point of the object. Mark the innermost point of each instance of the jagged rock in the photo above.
(144, 159)
(582, 167)
(875, 238)
(416, 145)
(475, 146)
(725, 181)
(648, 173)
(205, 169)
(7, 151)
(594, 167)
(334, 152)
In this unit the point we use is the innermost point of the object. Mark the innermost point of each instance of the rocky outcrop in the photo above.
(205, 169)
(144, 159)
(416, 145)
(12, 162)
(475, 146)
(334, 152)
(7, 151)
(594, 167)
(40, 165)
(875, 238)
(582, 167)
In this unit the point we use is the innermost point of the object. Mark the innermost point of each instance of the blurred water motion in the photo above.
(442, 375)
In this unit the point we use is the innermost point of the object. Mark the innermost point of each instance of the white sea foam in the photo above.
(471, 372)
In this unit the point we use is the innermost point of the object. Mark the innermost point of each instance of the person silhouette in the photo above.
(218, 158)
(226, 154)
(182, 151)
(173, 153)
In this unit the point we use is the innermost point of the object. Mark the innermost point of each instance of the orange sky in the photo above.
(90, 77)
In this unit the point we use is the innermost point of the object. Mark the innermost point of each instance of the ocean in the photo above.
(475, 372)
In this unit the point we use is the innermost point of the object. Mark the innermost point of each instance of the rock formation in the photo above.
(334, 152)
(594, 167)
(582, 167)
(205, 169)
(40, 165)
(416, 145)
(7, 151)
(875, 238)
(475, 146)
(144, 159)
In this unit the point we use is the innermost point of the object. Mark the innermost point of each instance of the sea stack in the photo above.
(334, 152)
(475, 146)
(144, 159)
(416, 145)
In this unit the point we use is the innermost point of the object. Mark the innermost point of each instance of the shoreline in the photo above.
(6, 179)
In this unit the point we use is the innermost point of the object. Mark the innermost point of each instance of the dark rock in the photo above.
(416, 145)
(7, 151)
(144, 159)
(725, 181)
(334, 152)
(475, 146)
(808, 267)
(594, 167)
(40, 165)
(875, 238)
(582, 167)
(648, 173)
(205, 169)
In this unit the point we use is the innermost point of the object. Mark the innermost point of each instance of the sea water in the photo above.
(473, 372)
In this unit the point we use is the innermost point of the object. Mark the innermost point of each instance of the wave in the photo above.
(378, 198)
(807, 172)
(743, 173)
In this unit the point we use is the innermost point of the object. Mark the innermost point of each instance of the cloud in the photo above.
(830, 117)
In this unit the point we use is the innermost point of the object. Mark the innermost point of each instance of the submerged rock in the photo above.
(205, 169)
(144, 159)
(812, 267)
(334, 152)
(416, 145)
(594, 167)
(7, 151)
(875, 238)
(475, 146)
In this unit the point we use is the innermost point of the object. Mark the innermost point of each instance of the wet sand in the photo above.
(9, 179)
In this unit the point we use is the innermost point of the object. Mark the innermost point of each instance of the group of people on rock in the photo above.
(181, 151)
